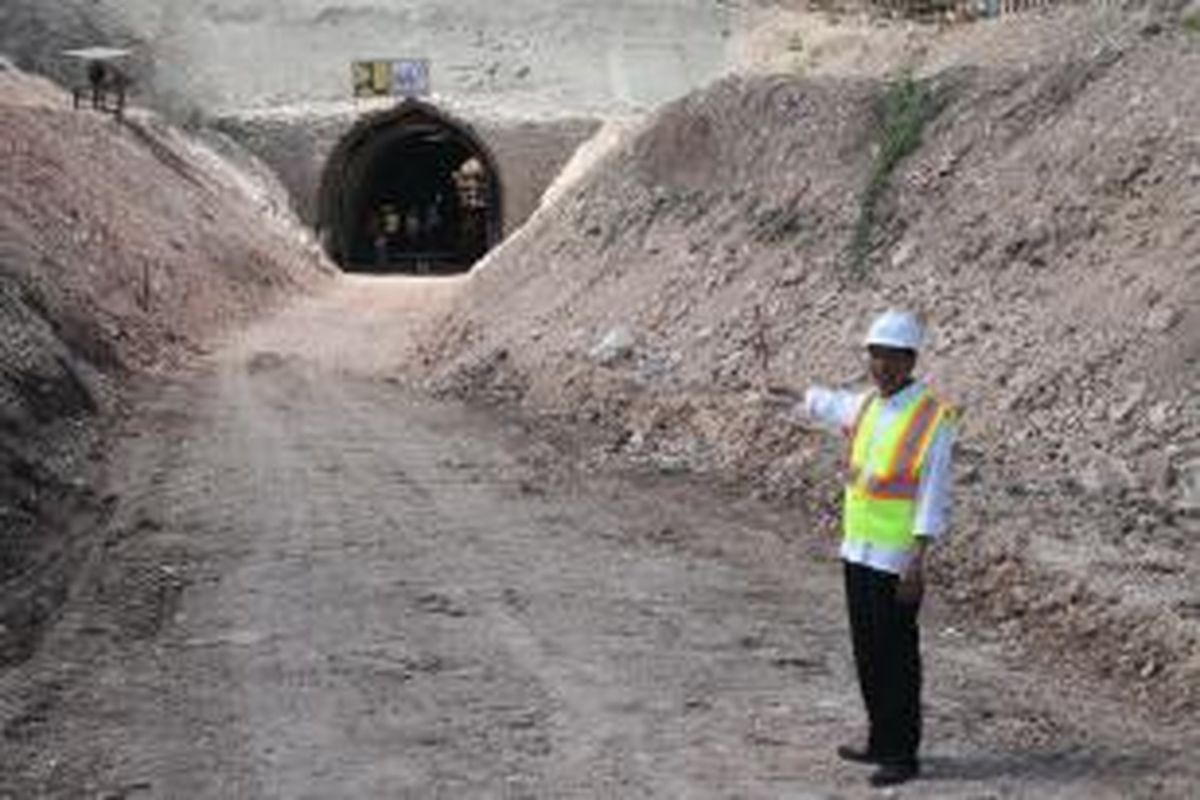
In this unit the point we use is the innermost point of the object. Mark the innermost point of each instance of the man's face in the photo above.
(891, 367)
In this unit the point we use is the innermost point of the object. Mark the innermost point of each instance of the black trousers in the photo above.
(887, 655)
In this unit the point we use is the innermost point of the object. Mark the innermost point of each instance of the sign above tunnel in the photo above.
(401, 77)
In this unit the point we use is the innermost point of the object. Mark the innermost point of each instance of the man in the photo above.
(896, 503)
(97, 74)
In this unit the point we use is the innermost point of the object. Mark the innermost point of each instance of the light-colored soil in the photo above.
(318, 585)
(790, 37)
(581, 56)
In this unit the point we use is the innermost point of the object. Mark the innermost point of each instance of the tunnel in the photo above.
(410, 191)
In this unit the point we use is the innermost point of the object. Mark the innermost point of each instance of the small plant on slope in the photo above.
(907, 106)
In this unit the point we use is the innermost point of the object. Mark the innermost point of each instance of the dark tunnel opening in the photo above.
(410, 192)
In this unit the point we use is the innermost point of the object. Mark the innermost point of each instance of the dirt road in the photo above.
(319, 585)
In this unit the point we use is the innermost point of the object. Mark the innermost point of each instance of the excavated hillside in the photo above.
(524, 55)
(1048, 229)
(124, 248)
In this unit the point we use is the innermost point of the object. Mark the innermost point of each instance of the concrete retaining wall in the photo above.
(529, 153)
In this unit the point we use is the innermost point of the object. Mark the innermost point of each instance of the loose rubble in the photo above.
(1049, 237)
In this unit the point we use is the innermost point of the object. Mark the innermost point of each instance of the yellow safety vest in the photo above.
(881, 492)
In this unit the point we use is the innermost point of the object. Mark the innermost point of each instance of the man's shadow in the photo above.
(1046, 766)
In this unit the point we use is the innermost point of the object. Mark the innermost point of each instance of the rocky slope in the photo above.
(1048, 228)
(123, 248)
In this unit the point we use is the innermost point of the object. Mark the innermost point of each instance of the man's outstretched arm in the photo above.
(834, 409)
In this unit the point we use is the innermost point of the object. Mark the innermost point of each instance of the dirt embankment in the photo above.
(1049, 230)
(123, 248)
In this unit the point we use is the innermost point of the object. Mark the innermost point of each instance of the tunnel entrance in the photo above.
(409, 191)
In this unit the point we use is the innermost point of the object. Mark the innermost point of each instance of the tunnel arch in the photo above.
(410, 190)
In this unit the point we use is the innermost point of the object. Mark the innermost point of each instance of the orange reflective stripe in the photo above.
(904, 458)
(898, 495)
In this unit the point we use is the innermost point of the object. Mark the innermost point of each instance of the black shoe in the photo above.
(894, 773)
(848, 752)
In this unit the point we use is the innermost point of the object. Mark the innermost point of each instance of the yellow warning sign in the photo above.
(372, 78)
(404, 77)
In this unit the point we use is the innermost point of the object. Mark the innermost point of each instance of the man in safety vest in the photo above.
(896, 502)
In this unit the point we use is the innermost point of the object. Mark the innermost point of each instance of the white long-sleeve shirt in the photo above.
(838, 411)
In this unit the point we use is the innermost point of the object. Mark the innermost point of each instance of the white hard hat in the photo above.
(898, 329)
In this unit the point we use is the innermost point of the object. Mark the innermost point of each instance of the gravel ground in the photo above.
(316, 584)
